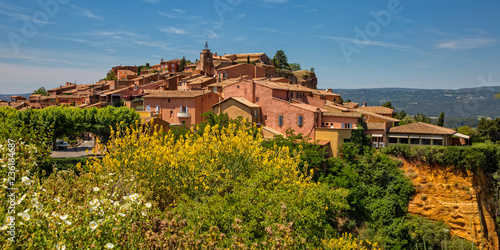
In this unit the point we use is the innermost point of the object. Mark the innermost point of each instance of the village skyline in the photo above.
(350, 45)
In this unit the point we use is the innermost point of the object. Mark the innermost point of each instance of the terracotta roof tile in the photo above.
(174, 93)
(284, 86)
(375, 126)
(241, 100)
(377, 110)
(422, 128)
(343, 114)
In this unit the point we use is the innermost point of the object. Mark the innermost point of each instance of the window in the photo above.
(347, 140)
(171, 113)
(225, 76)
(437, 142)
(291, 94)
(300, 120)
(157, 108)
(220, 75)
(347, 125)
(280, 120)
(393, 140)
(184, 109)
(168, 99)
(215, 89)
(426, 142)
(256, 99)
(265, 118)
(415, 141)
(403, 140)
(238, 86)
(256, 113)
(148, 108)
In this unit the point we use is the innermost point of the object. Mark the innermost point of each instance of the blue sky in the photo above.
(351, 44)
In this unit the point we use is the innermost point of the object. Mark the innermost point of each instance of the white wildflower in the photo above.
(148, 205)
(93, 225)
(110, 245)
(63, 217)
(60, 246)
(96, 189)
(95, 202)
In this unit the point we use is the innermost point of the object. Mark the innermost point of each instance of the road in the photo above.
(79, 151)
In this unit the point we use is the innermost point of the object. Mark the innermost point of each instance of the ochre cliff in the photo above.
(464, 201)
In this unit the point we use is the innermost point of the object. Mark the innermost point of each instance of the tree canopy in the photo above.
(41, 91)
(280, 60)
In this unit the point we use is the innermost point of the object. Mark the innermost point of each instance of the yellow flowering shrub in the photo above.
(196, 166)
(216, 189)
(347, 242)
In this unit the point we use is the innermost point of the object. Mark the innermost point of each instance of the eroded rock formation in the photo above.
(464, 201)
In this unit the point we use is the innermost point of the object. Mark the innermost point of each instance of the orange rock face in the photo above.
(464, 201)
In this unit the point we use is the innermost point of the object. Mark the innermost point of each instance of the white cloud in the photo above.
(86, 13)
(466, 43)
(172, 30)
(180, 11)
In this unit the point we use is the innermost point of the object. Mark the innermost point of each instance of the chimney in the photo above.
(329, 90)
(215, 54)
(364, 104)
(162, 60)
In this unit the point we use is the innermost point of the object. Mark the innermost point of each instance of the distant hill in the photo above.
(7, 97)
(461, 107)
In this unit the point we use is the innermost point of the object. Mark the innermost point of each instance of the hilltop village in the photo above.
(241, 85)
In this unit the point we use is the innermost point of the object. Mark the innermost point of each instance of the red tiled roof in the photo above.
(323, 92)
(174, 93)
(375, 126)
(284, 86)
(422, 128)
(387, 118)
(238, 65)
(377, 110)
(241, 100)
(351, 105)
(343, 114)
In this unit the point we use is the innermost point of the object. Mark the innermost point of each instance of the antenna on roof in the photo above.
(206, 42)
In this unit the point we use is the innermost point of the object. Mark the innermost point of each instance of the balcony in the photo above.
(183, 115)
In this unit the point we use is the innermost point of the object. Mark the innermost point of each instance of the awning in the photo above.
(398, 136)
(432, 137)
(461, 135)
(377, 135)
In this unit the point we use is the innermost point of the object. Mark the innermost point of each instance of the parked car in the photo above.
(61, 144)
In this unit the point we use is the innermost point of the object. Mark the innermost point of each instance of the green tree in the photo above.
(295, 66)
(182, 64)
(421, 118)
(312, 155)
(41, 91)
(112, 118)
(248, 59)
(110, 76)
(488, 130)
(280, 60)
(400, 115)
(440, 121)
(312, 70)
(388, 105)
(147, 65)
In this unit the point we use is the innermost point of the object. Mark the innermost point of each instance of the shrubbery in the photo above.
(220, 188)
